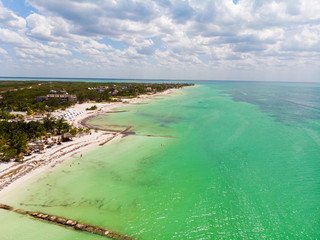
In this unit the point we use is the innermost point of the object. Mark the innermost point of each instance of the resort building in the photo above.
(61, 97)
(115, 92)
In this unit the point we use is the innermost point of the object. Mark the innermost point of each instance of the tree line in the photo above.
(14, 136)
(21, 95)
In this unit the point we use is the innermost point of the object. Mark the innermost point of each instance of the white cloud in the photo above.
(77, 61)
(13, 38)
(42, 51)
(97, 45)
(41, 27)
(10, 19)
(3, 52)
(208, 34)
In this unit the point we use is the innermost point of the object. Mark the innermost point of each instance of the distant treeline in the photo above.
(21, 95)
(24, 96)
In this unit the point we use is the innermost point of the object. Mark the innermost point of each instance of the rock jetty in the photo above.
(69, 223)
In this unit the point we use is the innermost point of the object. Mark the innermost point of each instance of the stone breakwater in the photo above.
(72, 224)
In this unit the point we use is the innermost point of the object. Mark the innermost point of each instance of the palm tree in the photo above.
(18, 141)
(62, 126)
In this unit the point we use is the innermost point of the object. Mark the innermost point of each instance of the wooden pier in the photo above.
(69, 223)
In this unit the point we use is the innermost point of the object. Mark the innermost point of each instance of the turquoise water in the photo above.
(242, 163)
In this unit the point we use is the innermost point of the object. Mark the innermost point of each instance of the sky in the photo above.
(261, 40)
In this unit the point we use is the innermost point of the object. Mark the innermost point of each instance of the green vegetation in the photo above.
(21, 95)
(14, 136)
(35, 97)
(94, 107)
(5, 115)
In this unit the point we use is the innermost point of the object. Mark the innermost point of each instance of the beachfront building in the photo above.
(61, 97)
(115, 92)
(101, 89)
(66, 137)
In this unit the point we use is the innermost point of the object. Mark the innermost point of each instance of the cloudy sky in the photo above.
(218, 39)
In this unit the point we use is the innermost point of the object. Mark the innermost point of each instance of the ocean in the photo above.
(227, 160)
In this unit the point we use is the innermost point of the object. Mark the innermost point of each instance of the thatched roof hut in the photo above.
(27, 152)
(66, 137)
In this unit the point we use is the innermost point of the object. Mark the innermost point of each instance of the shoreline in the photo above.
(13, 174)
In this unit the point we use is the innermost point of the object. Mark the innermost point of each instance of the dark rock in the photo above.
(52, 218)
(44, 216)
(80, 226)
(61, 220)
(89, 229)
(21, 211)
(116, 236)
(99, 231)
(6, 207)
(71, 223)
(110, 235)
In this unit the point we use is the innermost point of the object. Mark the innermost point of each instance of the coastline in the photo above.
(13, 174)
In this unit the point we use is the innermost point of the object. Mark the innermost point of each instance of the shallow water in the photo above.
(243, 163)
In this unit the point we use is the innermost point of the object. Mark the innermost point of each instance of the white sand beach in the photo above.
(14, 173)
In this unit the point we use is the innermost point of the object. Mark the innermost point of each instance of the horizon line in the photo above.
(159, 79)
